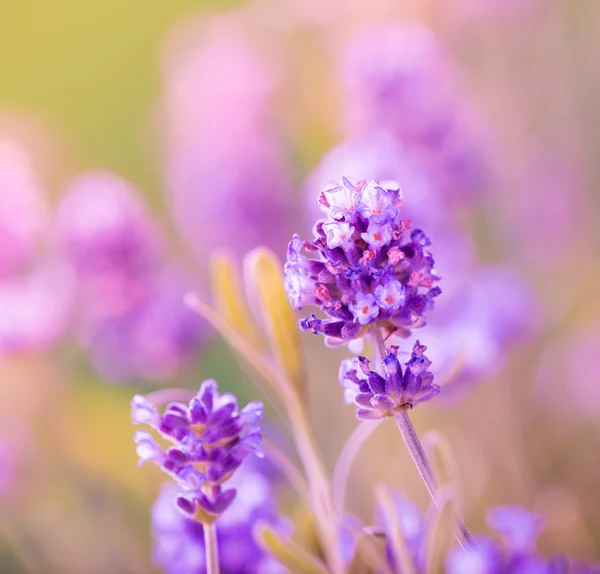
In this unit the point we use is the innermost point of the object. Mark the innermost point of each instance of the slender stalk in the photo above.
(211, 549)
(415, 448)
(343, 465)
(320, 492)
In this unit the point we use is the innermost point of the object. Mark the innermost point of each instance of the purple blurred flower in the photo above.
(376, 396)
(179, 541)
(152, 338)
(486, 311)
(211, 440)
(368, 268)
(23, 210)
(226, 176)
(399, 82)
(107, 234)
(514, 554)
(517, 554)
(380, 157)
(36, 308)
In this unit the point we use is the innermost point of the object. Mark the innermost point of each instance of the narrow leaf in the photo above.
(228, 297)
(287, 552)
(264, 283)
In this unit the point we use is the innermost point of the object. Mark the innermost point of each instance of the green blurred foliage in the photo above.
(91, 69)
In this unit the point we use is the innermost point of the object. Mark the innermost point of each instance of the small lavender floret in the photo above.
(366, 266)
(377, 397)
(210, 437)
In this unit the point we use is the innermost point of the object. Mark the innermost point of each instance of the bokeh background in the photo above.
(209, 121)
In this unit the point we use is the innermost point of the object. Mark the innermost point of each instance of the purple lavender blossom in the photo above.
(211, 439)
(23, 210)
(226, 175)
(179, 541)
(151, 339)
(368, 266)
(377, 397)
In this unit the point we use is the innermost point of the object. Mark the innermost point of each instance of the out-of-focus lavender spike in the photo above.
(226, 174)
(211, 439)
(36, 308)
(152, 338)
(399, 81)
(23, 209)
(179, 541)
(104, 228)
(486, 311)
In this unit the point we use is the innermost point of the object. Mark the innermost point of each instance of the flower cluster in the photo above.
(370, 266)
(378, 397)
(211, 439)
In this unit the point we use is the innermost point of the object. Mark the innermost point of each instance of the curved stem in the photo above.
(415, 448)
(344, 463)
(211, 548)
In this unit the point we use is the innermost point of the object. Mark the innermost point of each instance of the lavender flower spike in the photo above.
(378, 397)
(210, 437)
(365, 267)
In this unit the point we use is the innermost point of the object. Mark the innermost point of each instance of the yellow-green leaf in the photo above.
(264, 283)
(228, 296)
(289, 554)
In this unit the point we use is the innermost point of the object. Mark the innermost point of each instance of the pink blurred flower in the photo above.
(226, 174)
(36, 308)
(23, 209)
(108, 236)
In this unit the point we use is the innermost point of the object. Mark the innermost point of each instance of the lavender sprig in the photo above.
(211, 439)
(368, 266)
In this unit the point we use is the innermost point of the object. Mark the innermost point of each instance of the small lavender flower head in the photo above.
(377, 396)
(210, 437)
(368, 266)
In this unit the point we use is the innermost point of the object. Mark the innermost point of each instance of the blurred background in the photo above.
(138, 138)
